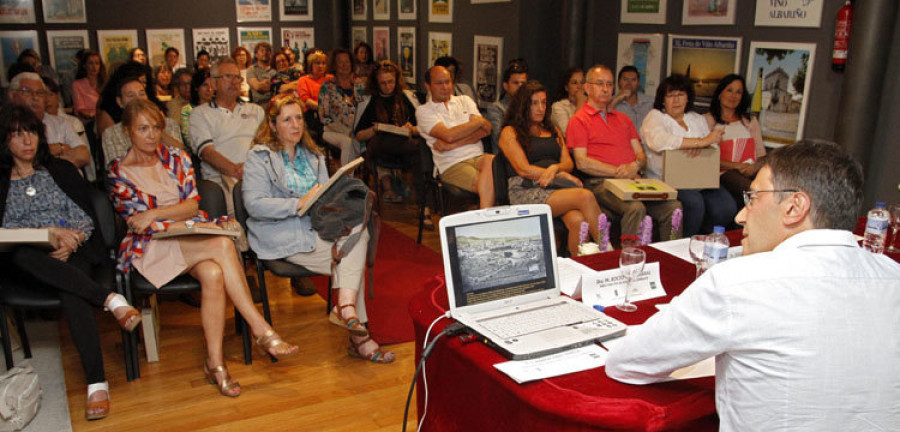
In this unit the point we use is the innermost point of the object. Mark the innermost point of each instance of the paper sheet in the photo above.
(570, 272)
(566, 362)
(681, 249)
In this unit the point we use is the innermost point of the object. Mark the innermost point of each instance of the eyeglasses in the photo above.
(749, 195)
(231, 77)
(27, 92)
(601, 83)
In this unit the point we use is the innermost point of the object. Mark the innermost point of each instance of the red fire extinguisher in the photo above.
(842, 37)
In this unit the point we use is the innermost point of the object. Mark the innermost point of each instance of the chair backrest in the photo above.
(427, 160)
(240, 212)
(109, 227)
(212, 199)
(501, 179)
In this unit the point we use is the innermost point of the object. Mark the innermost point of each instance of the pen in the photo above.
(599, 308)
(62, 223)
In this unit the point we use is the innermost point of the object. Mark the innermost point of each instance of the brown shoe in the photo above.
(303, 286)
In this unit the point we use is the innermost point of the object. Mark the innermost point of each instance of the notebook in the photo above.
(502, 283)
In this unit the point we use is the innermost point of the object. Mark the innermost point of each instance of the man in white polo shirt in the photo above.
(222, 130)
(453, 128)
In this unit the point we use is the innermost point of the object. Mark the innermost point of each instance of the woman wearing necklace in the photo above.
(39, 191)
(153, 189)
(337, 105)
(283, 169)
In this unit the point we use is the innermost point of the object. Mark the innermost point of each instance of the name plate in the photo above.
(607, 288)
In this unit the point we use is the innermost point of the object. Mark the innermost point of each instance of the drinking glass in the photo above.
(894, 239)
(631, 263)
(696, 246)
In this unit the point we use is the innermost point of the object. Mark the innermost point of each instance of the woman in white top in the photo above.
(673, 125)
(574, 97)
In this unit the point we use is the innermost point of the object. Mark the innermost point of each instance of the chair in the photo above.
(446, 195)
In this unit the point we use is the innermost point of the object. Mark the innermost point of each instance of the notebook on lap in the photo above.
(502, 283)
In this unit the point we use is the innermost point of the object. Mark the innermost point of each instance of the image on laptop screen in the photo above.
(500, 259)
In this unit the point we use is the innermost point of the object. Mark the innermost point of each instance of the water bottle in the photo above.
(715, 248)
(876, 228)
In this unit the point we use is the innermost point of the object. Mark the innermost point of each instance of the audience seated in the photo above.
(629, 100)
(138, 55)
(295, 69)
(162, 77)
(109, 112)
(283, 73)
(308, 85)
(260, 74)
(202, 90)
(363, 62)
(203, 61)
(89, 81)
(32, 58)
(242, 57)
(514, 77)
(115, 141)
(172, 56)
(571, 99)
(71, 154)
(338, 98)
(460, 88)
(181, 85)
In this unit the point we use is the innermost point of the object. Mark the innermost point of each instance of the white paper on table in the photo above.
(703, 368)
(607, 288)
(681, 249)
(570, 272)
(566, 362)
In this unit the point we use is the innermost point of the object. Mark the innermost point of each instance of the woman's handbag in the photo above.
(20, 397)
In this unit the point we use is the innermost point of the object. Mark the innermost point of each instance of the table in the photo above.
(467, 393)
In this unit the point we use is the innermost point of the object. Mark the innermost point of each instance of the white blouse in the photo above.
(662, 132)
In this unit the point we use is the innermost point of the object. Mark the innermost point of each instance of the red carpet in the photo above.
(401, 269)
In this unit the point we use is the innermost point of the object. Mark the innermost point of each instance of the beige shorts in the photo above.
(463, 174)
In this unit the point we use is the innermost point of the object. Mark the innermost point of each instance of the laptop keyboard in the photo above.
(543, 318)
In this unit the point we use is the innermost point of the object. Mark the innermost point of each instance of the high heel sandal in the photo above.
(132, 317)
(270, 341)
(351, 324)
(101, 407)
(376, 356)
(226, 385)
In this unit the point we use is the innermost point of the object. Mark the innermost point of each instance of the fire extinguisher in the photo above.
(842, 37)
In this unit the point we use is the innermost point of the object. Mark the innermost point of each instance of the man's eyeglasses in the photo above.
(27, 92)
(609, 84)
(749, 195)
(231, 77)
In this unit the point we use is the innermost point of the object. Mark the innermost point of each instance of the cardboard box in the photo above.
(684, 172)
(641, 189)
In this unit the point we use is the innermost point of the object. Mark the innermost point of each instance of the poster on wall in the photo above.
(64, 11)
(381, 10)
(789, 13)
(299, 39)
(708, 12)
(406, 9)
(215, 41)
(439, 45)
(643, 12)
(296, 10)
(440, 11)
(359, 9)
(643, 51)
(704, 60)
(381, 43)
(406, 52)
(778, 79)
(486, 68)
(359, 34)
(158, 41)
(12, 43)
(63, 45)
(253, 10)
(114, 46)
(17, 11)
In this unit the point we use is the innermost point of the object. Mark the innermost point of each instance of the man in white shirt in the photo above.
(803, 327)
(453, 128)
(636, 105)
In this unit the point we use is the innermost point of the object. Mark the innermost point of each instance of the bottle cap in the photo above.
(718, 229)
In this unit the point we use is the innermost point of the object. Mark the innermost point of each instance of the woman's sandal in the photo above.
(376, 356)
(96, 410)
(271, 341)
(351, 324)
(227, 385)
(132, 317)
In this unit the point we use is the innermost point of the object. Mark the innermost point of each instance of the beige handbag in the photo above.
(20, 397)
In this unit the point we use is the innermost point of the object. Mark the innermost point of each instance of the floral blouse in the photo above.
(337, 105)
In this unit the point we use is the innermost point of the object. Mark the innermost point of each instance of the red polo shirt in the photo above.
(608, 141)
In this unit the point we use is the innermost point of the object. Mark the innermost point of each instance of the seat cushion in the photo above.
(32, 295)
(283, 268)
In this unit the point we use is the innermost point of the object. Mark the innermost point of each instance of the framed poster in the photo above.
(63, 45)
(490, 1)
(789, 13)
(486, 68)
(381, 10)
(253, 10)
(359, 34)
(708, 12)
(643, 12)
(17, 12)
(406, 52)
(643, 51)
(358, 10)
(381, 43)
(158, 41)
(778, 79)
(215, 41)
(114, 46)
(296, 10)
(704, 60)
(248, 37)
(406, 9)
(439, 45)
(440, 11)
(12, 43)
(64, 11)
(299, 39)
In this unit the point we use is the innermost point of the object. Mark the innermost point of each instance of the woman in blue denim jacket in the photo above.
(283, 170)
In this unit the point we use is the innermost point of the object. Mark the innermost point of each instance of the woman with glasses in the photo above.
(673, 125)
(338, 98)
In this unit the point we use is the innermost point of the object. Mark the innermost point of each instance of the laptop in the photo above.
(502, 283)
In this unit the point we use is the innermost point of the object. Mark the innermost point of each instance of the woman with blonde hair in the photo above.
(308, 85)
(283, 170)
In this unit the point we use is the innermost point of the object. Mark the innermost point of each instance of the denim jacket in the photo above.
(274, 229)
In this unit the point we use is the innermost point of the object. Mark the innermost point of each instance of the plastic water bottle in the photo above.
(876, 228)
(715, 248)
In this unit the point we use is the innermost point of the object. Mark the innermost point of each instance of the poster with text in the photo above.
(158, 41)
(17, 11)
(215, 41)
(439, 45)
(704, 60)
(381, 43)
(358, 9)
(359, 34)
(778, 78)
(64, 11)
(789, 13)
(708, 12)
(253, 10)
(406, 52)
(381, 10)
(643, 51)
(12, 43)
(64, 44)
(440, 11)
(406, 9)
(643, 12)
(486, 68)
(299, 39)
(296, 10)
(114, 46)
(248, 37)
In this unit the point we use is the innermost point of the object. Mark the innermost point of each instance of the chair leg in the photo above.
(328, 300)
(132, 352)
(7, 344)
(23, 337)
(245, 336)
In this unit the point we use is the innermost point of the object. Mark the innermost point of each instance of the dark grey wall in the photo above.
(883, 177)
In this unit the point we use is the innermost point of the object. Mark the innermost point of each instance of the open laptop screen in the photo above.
(499, 259)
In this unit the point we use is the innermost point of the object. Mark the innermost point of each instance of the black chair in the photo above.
(447, 196)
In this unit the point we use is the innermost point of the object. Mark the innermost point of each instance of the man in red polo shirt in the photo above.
(606, 145)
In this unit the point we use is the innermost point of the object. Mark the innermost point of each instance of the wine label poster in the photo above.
(215, 41)
(488, 55)
(643, 51)
(789, 13)
(249, 37)
(406, 52)
(64, 45)
(703, 60)
(778, 79)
